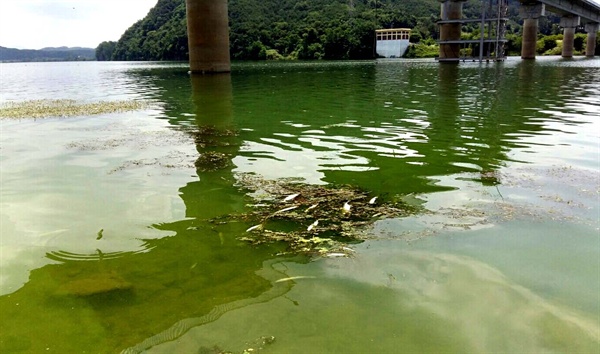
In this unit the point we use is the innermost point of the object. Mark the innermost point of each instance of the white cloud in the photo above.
(34, 24)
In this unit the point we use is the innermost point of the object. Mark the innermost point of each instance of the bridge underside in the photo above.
(587, 11)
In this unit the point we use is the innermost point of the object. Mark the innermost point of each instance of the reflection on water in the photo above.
(107, 242)
(199, 268)
(399, 300)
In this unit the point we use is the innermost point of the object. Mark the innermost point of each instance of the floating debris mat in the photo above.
(210, 161)
(310, 218)
(65, 108)
(209, 136)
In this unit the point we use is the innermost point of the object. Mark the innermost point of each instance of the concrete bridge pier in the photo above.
(568, 23)
(530, 13)
(450, 29)
(208, 36)
(592, 31)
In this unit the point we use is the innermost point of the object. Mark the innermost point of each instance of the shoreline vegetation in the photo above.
(35, 109)
(547, 45)
(317, 29)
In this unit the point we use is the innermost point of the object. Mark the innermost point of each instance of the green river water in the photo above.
(107, 243)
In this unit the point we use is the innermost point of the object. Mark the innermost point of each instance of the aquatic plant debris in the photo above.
(208, 136)
(309, 218)
(560, 194)
(35, 109)
(210, 161)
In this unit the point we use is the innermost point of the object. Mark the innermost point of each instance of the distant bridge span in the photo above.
(208, 29)
(575, 13)
(588, 11)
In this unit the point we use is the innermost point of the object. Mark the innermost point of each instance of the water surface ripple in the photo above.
(105, 220)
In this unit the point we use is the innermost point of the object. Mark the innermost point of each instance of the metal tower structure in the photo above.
(492, 27)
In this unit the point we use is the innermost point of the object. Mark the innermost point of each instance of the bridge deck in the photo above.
(588, 11)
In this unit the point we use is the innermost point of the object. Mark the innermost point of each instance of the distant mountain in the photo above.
(60, 49)
(47, 54)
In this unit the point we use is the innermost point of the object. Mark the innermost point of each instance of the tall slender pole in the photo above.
(482, 30)
(375, 37)
(489, 36)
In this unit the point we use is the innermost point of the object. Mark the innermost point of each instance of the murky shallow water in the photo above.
(504, 159)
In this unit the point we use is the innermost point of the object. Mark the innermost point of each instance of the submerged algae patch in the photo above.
(101, 283)
(65, 108)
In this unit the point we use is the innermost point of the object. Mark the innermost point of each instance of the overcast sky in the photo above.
(35, 24)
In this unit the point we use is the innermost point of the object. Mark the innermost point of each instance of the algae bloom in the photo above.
(65, 108)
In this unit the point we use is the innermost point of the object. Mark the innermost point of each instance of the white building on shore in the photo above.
(393, 42)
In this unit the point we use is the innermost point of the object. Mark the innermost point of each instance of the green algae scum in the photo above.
(386, 206)
(65, 108)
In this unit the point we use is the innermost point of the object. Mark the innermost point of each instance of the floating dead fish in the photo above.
(295, 278)
(313, 225)
(289, 198)
(52, 233)
(259, 205)
(348, 249)
(255, 227)
(346, 207)
(343, 214)
(373, 200)
(311, 207)
(286, 209)
(336, 255)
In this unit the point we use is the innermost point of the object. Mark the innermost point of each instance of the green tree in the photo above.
(105, 50)
(547, 43)
(513, 44)
(579, 42)
(257, 51)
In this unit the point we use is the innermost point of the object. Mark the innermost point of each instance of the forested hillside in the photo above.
(292, 29)
(46, 54)
(308, 29)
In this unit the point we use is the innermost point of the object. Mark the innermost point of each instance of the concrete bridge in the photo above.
(574, 13)
(208, 29)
